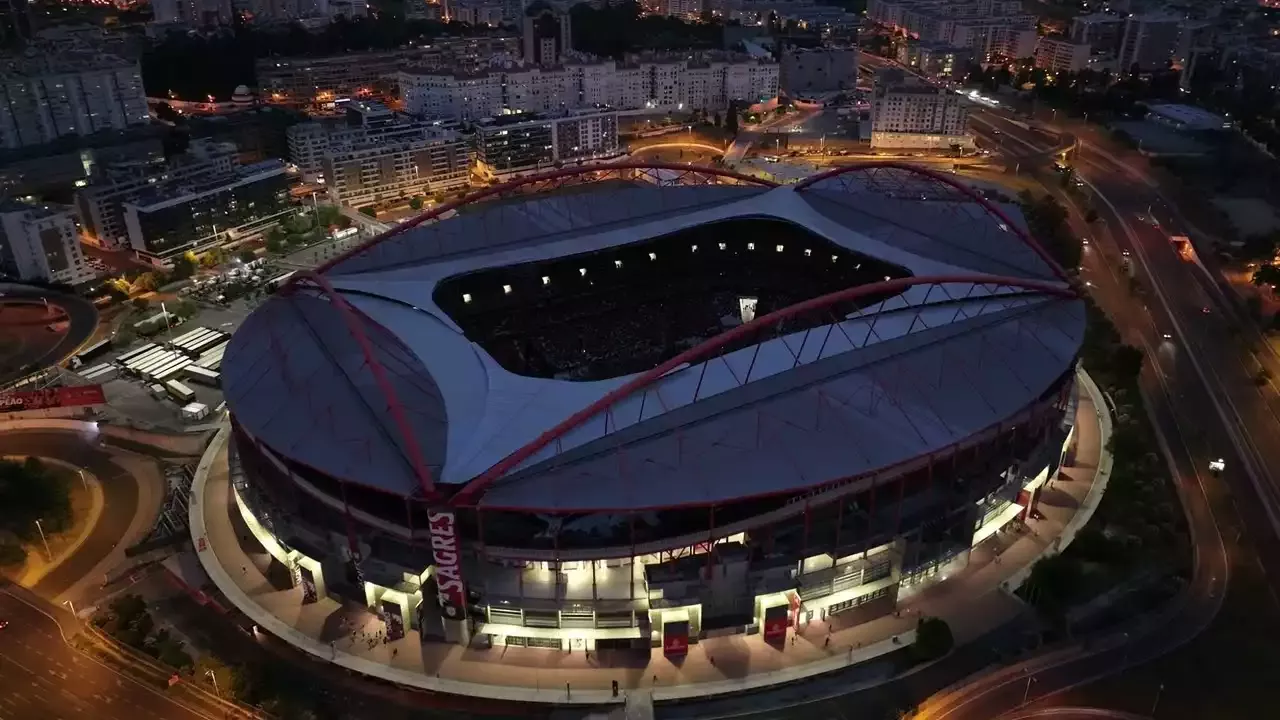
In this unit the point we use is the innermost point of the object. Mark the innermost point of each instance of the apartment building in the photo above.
(48, 95)
(937, 60)
(515, 144)
(166, 220)
(1103, 33)
(547, 34)
(1149, 42)
(41, 244)
(311, 83)
(192, 13)
(991, 29)
(378, 155)
(907, 112)
(707, 82)
(1061, 55)
(820, 69)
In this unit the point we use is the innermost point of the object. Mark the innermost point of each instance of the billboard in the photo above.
(776, 620)
(675, 638)
(445, 549)
(58, 397)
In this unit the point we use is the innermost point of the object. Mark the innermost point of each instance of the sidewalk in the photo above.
(973, 600)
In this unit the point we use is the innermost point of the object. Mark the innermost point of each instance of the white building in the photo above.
(907, 112)
(45, 97)
(822, 69)
(41, 244)
(379, 155)
(1061, 55)
(653, 83)
(512, 145)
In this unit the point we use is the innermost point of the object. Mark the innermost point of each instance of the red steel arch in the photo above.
(351, 317)
(953, 183)
(469, 494)
(510, 185)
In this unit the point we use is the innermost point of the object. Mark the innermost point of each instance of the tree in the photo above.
(213, 258)
(141, 304)
(1267, 275)
(275, 243)
(12, 554)
(328, 215)
(731, 119)
(1091, 216)
(184, 266)
(370, 211)
(416, 202)
(933, 639)
(1126, 363)
(1050, 585)
(184, 308)
(124, 337)
(247, 256)
(147, 282)
(29, 491)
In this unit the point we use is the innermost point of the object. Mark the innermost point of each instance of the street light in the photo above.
(47, 551)
(1026, 693)
(214, 678)
(83, 481)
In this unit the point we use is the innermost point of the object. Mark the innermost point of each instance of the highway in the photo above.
(82, 319)
(120, 499)
(42, 677)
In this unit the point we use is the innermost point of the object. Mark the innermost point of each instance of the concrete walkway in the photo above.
(972, 600)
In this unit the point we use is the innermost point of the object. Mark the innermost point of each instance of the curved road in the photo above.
(83, 321)
(119, 495)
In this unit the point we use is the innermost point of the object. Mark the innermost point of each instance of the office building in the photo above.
(376, 155)
(513, 145)
(1061, 55)
(708, 81)
(45, 96)
(820, 69)
(41, 244)
(1150, 42)
(100, 205)
(163, 221)
(907, 112)
(546, 37)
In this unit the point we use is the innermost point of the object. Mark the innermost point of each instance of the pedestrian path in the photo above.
(973, 600)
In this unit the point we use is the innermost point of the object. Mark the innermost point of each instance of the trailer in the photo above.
(171, 370)
(194, 337)
(179, 392)
(99, 373)
(159, 372)
(95, 350)
(199, 348)
(211, 359)
(187, 335)
(202, 376)
(152, 363)
(137, 365)
(125, 357)
(278, 281)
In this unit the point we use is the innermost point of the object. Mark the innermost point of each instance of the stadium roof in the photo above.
(907, 376)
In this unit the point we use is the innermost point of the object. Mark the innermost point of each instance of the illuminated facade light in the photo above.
(653, 256)
(466, 297)
(751, 246)
(808, 252)
(778, 248)
(617, 264)
(582, 272)
(506, 289)
(546, 280)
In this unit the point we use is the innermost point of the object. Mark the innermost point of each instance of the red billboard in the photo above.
(675, 638)
(776, 620)
(444, 548)
(59, 397)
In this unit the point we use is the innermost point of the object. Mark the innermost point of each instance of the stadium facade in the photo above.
(637, 412)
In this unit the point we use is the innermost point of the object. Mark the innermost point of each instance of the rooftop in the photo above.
(467, 413)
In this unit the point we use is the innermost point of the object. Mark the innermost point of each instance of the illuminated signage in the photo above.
(445, 550)
(75, 396)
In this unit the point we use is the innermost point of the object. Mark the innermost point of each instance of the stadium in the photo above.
(626, 407)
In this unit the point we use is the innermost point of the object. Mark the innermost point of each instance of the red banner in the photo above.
(675, 638)
(776, 620)
(445, 549)
(74, 396)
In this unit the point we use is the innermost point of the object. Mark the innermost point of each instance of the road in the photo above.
(42, 677)
(83, 320)
(120, 499)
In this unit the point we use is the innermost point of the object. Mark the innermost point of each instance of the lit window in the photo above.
(778, 248)
(694, 249)
(546, 280)
(834, 258)
(582, 272)
(466, 297)
(886, 278)
(751, 246)
(653, 256)
(617, 263)
(506, 289)
(722, 246)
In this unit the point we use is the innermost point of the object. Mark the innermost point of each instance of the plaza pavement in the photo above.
(973, 600)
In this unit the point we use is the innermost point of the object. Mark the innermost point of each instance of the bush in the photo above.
(369, 211)
(29, 491)
(933, 639)
(247, 256)
(141, 304)
(12, 554)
